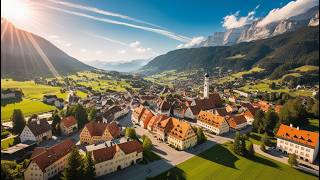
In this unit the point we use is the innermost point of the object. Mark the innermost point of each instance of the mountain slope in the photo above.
(25, 55)
(130, 66)
(299, 47)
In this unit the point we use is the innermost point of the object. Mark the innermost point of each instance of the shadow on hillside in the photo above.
(264, 161)
(220, 155)
(173, 174)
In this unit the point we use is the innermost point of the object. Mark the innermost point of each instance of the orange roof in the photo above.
(175, 127)
(233, 121)
(210, 118)
(155, 119)
(277, 108)
(97, 129)
(146, 116)
(137, 112)
(304, 137)
(69, 121)
(45, 157)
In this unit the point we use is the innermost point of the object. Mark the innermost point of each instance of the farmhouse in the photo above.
(10, 93)
(36, 130)
(50, 99)
(48, 162)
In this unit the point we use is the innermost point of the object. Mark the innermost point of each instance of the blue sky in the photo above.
(87, 39)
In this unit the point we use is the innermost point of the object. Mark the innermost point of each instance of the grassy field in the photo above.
(255, 138)
(313, 125)
(27, 106)
(103, 85)
(307, 68)
(7, 142)
(233, 76)
(167, 77)
(220, 163)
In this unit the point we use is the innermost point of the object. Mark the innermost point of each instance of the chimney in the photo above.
(290, 125)
(298, 128)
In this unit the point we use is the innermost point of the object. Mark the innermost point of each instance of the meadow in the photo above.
(219, 162)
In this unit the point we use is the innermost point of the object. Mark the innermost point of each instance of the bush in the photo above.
(292, 161)
(4, 134)
(250, 149)
(263, 147)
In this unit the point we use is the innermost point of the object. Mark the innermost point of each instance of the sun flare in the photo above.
(15, 11)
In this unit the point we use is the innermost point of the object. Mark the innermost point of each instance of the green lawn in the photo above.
(220, 163)
(255, 138)
(313, 125)
(307, 68)
(7, 142)
(27, 107)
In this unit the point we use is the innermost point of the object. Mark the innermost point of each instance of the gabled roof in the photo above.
(155, 119)
(45, 157)
(210, 118)
(221, 112)
(114, 129)
(236, 120)
(175, 127)
(107, 153)
(304, 137)
(164, 105)
(40, 128)
(69, 121)
(97, 129)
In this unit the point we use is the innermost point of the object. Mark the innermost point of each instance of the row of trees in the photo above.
(265, 122)
(79, 167)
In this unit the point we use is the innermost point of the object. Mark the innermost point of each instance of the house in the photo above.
(48, 162)
(221, 112)
(68, 125)
(50, 99)
(59, 103)
(237, 122)
(231, 108)
(212, 122)
(291, 140)
(72, 98)
(95, 132)
(192, 112)
(154, 120)
(177, 133)
(249, 116)
(145, 118)
(36, 130)
(163, 107)
(263, 105)
(10, 93)
(137, 113)
(113, 113)
(117, 157)
(242, 93)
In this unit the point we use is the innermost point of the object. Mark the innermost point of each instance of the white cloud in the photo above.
(293, 8)
(234, 21)
(194, 41)
(135, 44)
(98, 52)
(166, 33)
(53, 37)
(67, 44)
(83, 50)
(122, 51)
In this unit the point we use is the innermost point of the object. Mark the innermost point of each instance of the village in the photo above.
(176, 123)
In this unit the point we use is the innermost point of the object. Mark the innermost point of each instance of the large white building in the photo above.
(116, 157)
(291, 140)
(48, 162)
(214, 123)
(36, 130)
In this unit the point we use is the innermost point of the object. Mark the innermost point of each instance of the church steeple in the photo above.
(206, 86)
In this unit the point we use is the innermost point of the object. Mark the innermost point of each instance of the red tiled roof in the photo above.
(131, 146)
(44, 158)
(304, 137)
(210, 118)
(114, 129)
(97, 129)
(69, 121)
(233, 121)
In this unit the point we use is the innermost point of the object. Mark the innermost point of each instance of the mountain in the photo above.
(299, 47)
(121, 66)
(25, 55)
(255, 31)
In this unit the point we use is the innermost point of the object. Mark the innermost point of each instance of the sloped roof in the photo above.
(304, 137)
(233, 121)
(45, 157)
(69, 121)
(40, 128)
(210, 118)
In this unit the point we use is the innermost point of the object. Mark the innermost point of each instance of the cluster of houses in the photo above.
(11, 93)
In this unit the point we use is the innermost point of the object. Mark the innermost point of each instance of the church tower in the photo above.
(206, 86)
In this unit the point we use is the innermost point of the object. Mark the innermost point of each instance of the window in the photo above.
(308, 150)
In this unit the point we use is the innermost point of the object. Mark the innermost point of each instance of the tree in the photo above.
(294, 112)
(249, 148)
(292, 160)
(89, 169)
(147, 144)
(74, 168)
(56, 124)
(18, 121)
(200, 135)
(258, 125)
(315, 109)
(239, 144)
(265, 139)
(92, 114)
(270, 121)
(143, 137)
(131, 133)
(263, 147)
(79, 112)
(272, 85)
